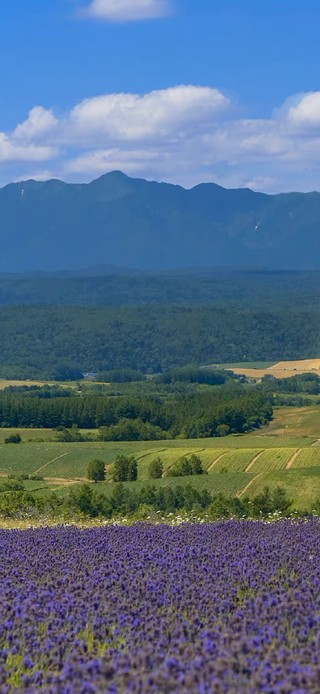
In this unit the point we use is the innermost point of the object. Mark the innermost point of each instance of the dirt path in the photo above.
(216, 461)
(293, 458)
(49, 463)
(249, 485)
(250, 466)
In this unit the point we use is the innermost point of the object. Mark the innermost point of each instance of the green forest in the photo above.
(98, 323)
(217, 286)
(196, 412)
(35, 341)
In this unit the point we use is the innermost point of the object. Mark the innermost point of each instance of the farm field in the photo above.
(5, 383)
(228, 484)
(273, 459)
(230, 471)
(70, 460)
(308, 458)
(188, 602)
(282, 369)
(286, 452)
(293, 422)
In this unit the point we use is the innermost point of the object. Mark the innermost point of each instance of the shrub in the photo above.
(270, 501)
(72, 435)
(13, 438)
(11, 486)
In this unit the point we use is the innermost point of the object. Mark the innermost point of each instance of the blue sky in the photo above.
(177, 90)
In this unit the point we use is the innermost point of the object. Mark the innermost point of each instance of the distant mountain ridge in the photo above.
(132, 223)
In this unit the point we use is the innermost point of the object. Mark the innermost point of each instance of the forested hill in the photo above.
(153, 322)
(100, 286)
(36, 340)
(135, 223)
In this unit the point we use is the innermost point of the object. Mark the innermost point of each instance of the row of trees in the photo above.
(231, 408)
(141, 502)
(125, 468)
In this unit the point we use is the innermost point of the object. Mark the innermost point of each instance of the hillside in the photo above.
(34, 340)
(133, 223)
(105, 286)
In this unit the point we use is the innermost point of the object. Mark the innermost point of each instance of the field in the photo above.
(5, 383)
(223, 607)
(287, 452)
(282, 369)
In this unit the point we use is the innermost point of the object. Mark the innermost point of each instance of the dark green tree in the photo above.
(125, 469)
(120, 469)
(96, 470)
(155, 469)
(196, 464)
(132, 470)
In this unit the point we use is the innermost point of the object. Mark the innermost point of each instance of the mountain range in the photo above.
(133, 223)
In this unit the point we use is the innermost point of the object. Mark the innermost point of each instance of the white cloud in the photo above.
(127, 10)
(132, 117)
(305, 114)
(11, 151)
(40, 122)
(183, 134)
(100, 161)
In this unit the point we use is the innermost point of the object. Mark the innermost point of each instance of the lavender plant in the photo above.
(227, 607)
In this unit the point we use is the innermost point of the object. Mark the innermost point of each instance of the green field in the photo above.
(274, 459)
(286, 452)
(235, 460)
(308, 458)
(302, 486)
(62, 464)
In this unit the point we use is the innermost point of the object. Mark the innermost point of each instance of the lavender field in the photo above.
(227, 607)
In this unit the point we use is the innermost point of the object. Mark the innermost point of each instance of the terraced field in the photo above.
(235, 460)
(308, 458)
(286, 452)
(273, 459)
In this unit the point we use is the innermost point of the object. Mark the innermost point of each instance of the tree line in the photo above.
(89, 500)
(219, 411)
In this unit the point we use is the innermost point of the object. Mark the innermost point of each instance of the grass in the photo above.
(28, 434)
(301, 485)
(229, 483)
(296, 421)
